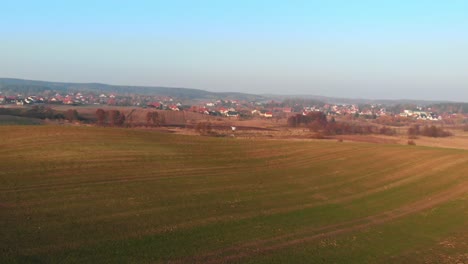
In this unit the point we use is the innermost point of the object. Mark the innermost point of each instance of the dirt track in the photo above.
(262, 246)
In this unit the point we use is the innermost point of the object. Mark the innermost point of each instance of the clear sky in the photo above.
(415, 49)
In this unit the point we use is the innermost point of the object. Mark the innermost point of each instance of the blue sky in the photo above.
(362, 49)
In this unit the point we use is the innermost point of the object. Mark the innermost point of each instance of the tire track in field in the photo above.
(255, 247)
(304, 160)
(398, 178)
(166, 174)
(363, 194)
(314, 188)
(268, 245)
(176, 173)
(287, 207)
(400, 181)
(190, 172)
(215, 219)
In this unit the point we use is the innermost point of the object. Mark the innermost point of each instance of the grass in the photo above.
(401, 241)
(83, 194)
(17, 120)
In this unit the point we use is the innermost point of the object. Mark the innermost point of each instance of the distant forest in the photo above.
(14, 86)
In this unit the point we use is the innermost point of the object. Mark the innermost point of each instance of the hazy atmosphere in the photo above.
(366, 49)
(234, 131)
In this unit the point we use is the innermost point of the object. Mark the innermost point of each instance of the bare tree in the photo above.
(71, 115)
(115, 118)
(152, 118)
(101, 116)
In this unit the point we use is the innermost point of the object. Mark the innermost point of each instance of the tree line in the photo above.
(318, 122)
(110, 117)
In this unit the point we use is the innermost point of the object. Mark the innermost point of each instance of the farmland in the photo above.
(91, 194)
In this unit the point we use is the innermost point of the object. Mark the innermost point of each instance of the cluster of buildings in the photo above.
(347, 109)
(227, 108)
(218, 108)
(81, 99)
(68, 99)
(421, 115)
(21, 101)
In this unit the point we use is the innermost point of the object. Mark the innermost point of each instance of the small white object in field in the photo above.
(233, 128)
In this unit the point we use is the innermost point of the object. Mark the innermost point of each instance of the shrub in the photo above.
(312, 117)
(411, 142)
(433, 131)
(387, 131)
(71, 115)
(342, 128)
(204, 128)
(414, 131)
(318, 136)
(428, 131)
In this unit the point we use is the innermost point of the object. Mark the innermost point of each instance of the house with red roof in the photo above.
(154, 105)
(174, 108)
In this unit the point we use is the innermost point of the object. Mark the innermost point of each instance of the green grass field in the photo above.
(102, 195)
(18, 120)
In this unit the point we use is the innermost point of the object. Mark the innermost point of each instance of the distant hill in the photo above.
(13, 86)
(338, 100)
(10, 85)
